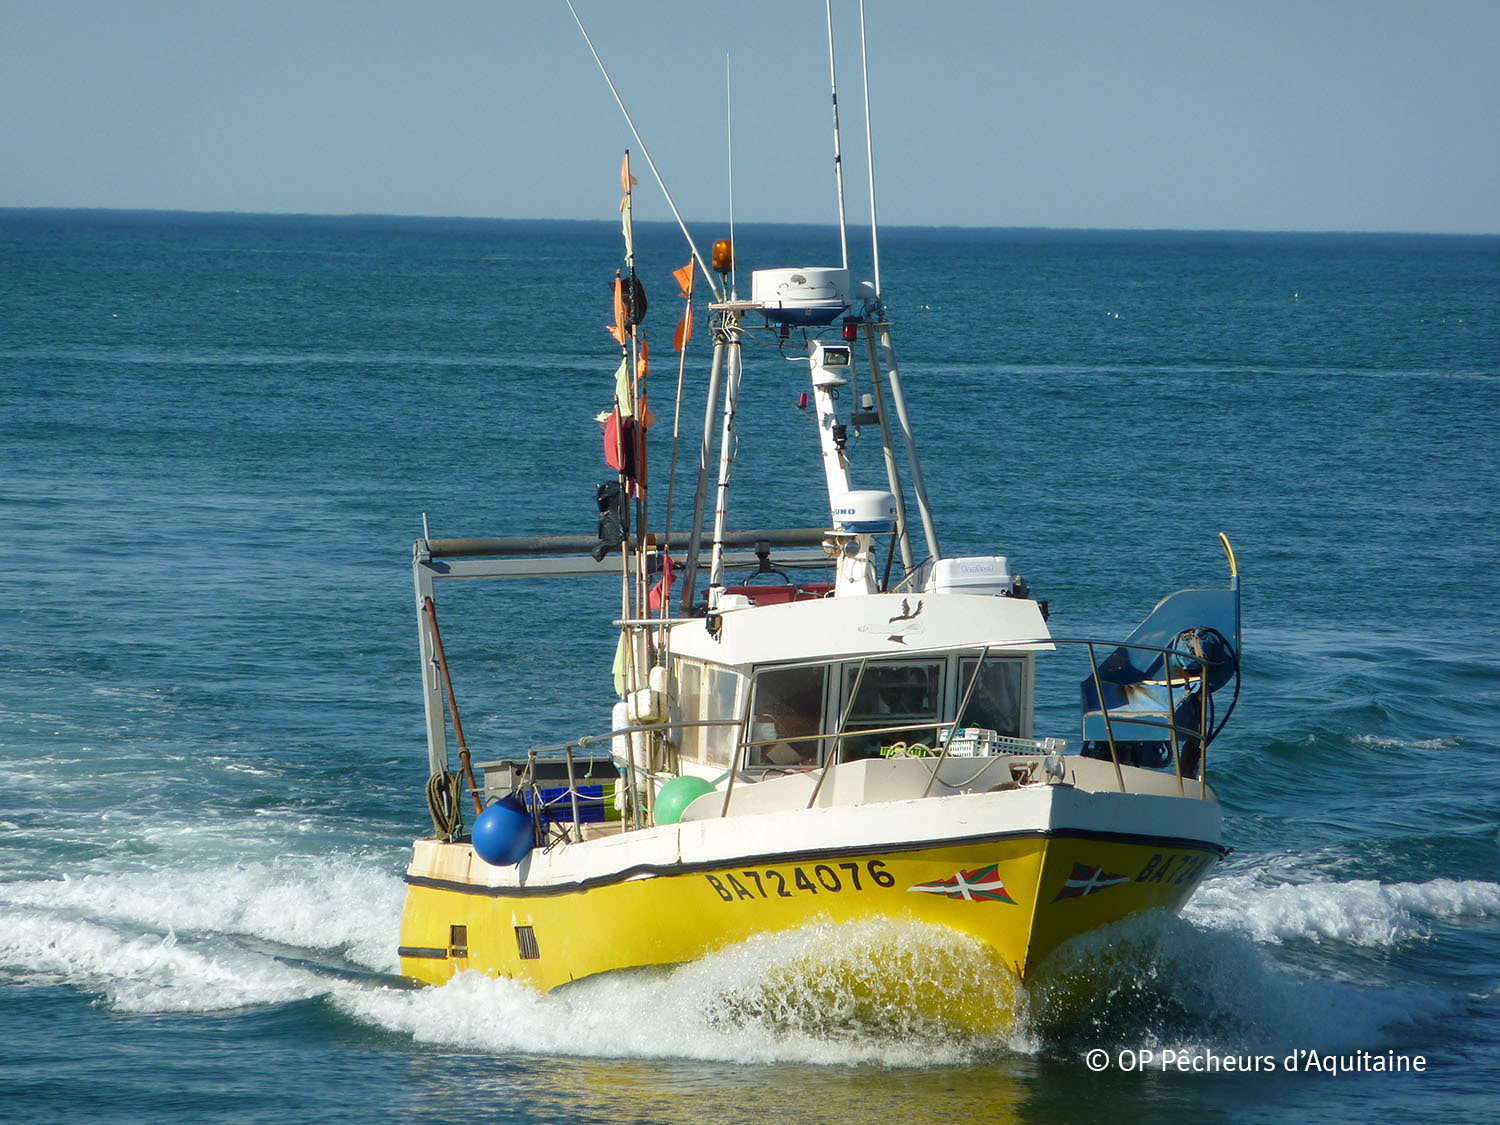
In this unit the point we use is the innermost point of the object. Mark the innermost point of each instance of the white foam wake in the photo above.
(1160, 981)
(176, 941)
(871, 992)
(145, 973)
(880, 992)
(1361, 912)
(195, 939)
(333, 904)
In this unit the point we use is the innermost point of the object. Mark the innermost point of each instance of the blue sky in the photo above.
(1314, 115)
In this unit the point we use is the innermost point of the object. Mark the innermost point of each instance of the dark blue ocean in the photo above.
(218, 438)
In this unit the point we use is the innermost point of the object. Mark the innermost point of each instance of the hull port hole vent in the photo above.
(526, 943)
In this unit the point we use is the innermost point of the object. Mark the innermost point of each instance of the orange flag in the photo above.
(643, 415)
(627, 181)
(617, 329)
(684, 331)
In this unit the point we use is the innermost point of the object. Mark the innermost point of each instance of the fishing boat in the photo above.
(821, 724)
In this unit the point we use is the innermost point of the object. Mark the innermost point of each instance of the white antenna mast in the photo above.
(838, 160)
(864, 65)
(729, 130)
(693, 246)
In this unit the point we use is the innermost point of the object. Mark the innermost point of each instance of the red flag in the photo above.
(660, 592)
(614, 447)
(623, 441)
(637, 437)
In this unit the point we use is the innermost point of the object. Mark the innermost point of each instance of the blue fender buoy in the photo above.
(502, 833)
(677, 794)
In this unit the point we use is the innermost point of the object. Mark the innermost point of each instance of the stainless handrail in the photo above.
(1193, 668)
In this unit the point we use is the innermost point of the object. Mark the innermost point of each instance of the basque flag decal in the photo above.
(1087, 881)
(981, 885)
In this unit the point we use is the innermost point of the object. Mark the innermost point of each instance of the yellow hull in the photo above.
(1021, 896)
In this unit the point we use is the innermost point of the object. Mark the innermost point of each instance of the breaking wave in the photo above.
(1158, 981)
(1361, 912)
(335, 905)
(144, 972)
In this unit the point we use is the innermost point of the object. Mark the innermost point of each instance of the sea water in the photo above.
(219, 436)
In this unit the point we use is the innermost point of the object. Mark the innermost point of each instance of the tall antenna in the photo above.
(729, 130)
(693, 246)
(838, 160)
(864, 64)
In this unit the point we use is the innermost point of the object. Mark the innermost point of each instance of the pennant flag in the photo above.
(623, 445)
(663, 589)
(622, 656)
(627, 181)
(617, 329)
(1087, 881)
(614, 448)
(684, 331)
(625, 431)
(981, 885)
(642, 364)
(623, 397)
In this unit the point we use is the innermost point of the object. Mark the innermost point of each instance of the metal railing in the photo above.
(1184, 674)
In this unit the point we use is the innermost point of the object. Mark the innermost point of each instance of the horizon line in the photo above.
(6, 209)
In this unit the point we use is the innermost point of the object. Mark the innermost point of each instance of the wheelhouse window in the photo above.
(998, 702)
(900, 704)
(689, 685)
(708, 692)
(907, 695)
(787, 718)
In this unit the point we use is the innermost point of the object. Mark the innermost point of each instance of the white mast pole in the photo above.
(864, 66)
(729, 132)
(838, 160)
(727, 443)
(887, 350)
(705, 456)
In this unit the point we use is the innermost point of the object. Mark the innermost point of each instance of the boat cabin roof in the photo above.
(877, 625)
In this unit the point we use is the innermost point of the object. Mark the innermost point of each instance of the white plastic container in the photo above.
(977, 574)
(968, 742)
